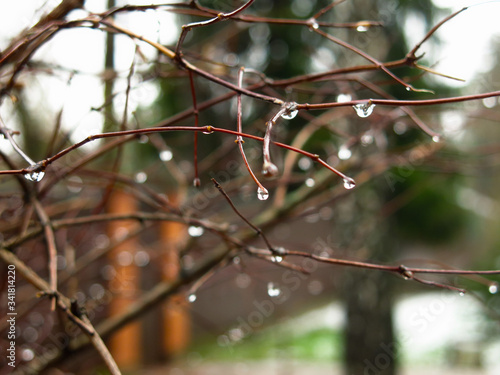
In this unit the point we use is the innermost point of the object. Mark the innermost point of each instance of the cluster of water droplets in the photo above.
(364, 109)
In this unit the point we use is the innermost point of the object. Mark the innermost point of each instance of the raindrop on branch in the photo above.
(191, 298)
(291, 111)
(208, 131)
(349, 183)
(269, 169)
(362, 29)
(313, 25)
(35, 172)
(273, 290)
(262, 194)
(364, 109)
(195, 231)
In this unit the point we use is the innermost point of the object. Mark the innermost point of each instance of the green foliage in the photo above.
(430, 214)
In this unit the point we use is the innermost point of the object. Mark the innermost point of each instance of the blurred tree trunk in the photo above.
(370, 347)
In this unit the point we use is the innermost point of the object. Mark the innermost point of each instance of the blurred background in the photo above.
(421, 200)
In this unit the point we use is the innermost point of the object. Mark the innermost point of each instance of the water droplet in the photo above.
(140, 177)
(313, 25)
(262, 194)
(191, 298)
(208, 131)
(166, 155)
(196, 182)
(273, 290)
(490, 102)
(36, 173)
(349, 183)
(344, 153)
(276, 259)
(400, 128)
(436, 139)
(195, 231)
(493, 288)
(279, 250)
(27, 355)
(364, 109)
(124, 258)
(290, 113)
(362, 29)
(461, 294)
(310, 182)
(366, 139)
(269, 169)
(141, 258)
(305, 163)
(408, 88)
(342, 98)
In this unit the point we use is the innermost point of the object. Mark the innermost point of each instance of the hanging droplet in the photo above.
(290, 114)
(166, 155)
(191, 298)
(208, 131)
(313, 25)
(34, 176)
(461, 294)
(195, 231)
(140, 177)
(349, 183)
(362, 29)
(364, 109)
(273, 290)
(436, 138)
(262, 194)
(408, 88)
(290, 111)
(196, 182)
(310, 182)
(269, 169)
(493, 288)
(344, 153)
